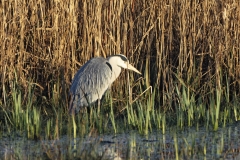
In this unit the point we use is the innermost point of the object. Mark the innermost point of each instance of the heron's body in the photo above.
(94, 78)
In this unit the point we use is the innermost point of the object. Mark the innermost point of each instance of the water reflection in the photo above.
(185, 144)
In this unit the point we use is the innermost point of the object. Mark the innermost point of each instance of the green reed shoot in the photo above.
(74, 127)
(48, 129)
(176, 145)
(236, 109)
(17, 113)
(112, 117)
(215, 109)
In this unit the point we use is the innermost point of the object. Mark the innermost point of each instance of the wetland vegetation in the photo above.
(188, 52)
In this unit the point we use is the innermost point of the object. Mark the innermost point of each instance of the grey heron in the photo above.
(94, 78)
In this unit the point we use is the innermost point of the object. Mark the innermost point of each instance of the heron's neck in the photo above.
(116, 70)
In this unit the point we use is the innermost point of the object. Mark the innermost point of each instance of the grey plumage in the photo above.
(94, 78)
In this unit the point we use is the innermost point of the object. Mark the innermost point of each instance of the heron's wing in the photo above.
(90, 83)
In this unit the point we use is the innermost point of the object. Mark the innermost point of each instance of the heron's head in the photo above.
(122, 61)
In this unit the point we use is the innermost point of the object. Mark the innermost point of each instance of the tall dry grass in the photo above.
(174, 43)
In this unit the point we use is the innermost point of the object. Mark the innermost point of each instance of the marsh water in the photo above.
(190, 143)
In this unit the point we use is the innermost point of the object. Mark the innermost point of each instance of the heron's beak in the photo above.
(130, 67)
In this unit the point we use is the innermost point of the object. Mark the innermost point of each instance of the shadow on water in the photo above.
(186, 144)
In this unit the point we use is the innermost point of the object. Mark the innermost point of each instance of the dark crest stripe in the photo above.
(124, 58)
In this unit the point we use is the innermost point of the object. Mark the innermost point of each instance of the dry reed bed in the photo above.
(174, 43)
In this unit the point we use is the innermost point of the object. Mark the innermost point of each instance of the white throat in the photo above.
(116, 69)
